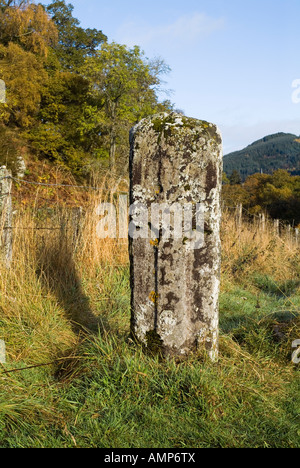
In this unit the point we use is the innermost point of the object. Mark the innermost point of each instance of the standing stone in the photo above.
(175, 161)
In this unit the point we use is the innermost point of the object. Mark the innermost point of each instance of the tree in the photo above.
(72, 95)
(75, 43)
(26, 36)
(123, 87)
(25, 77)
(234, 194)
(235, 178)
(58, 134)
(27, 25)
(225, 180)
(281, 178)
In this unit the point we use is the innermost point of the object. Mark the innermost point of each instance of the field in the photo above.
(74, 378)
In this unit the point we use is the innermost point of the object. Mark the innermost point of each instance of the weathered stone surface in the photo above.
(175, 287)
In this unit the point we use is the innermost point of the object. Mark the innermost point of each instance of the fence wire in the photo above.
(281, 226)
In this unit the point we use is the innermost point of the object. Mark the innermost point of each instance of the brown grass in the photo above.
(50, 288)
(247, 249)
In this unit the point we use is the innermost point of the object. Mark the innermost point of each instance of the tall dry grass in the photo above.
(56, 278)
(43, 300)
(106, 392)
(246, 248)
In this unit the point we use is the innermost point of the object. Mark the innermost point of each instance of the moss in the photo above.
(164, 125)
(154, 343)
(160, 125)
(185, 240)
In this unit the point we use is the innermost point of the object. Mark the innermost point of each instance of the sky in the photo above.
(233, 62)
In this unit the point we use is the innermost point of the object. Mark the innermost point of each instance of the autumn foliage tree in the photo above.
(28, 25)
(277, 194)
(71, 94)
(26, 35)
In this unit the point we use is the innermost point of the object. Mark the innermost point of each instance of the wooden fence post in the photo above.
(239, 215)
(276, 227)
(6, 215)
(76, 225)
(296, 236)
(262, 222)
(288, 232)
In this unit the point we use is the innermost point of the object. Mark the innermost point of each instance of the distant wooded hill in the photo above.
(279, 151)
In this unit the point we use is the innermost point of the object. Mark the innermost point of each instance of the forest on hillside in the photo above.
(273, 152)
(71, 95)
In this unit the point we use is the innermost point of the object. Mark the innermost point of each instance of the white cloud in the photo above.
(185, 29)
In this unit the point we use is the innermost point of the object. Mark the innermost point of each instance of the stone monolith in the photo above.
(174, 233)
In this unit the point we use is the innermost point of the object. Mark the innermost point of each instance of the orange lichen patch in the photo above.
(153, 297)
(154, 242)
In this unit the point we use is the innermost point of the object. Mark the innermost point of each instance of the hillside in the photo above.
(279, 151)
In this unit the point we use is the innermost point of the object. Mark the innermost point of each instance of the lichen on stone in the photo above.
(176, 160)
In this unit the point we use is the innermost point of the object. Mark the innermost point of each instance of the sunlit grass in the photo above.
(69, 308)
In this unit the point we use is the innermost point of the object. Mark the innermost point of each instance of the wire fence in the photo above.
(45, 184)
(241, 214)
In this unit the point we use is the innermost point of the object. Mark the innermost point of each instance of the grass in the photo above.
(72, 312)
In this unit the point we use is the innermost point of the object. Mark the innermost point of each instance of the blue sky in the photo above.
(233, 61)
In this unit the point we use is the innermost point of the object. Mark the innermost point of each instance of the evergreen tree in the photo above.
(235, 178)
